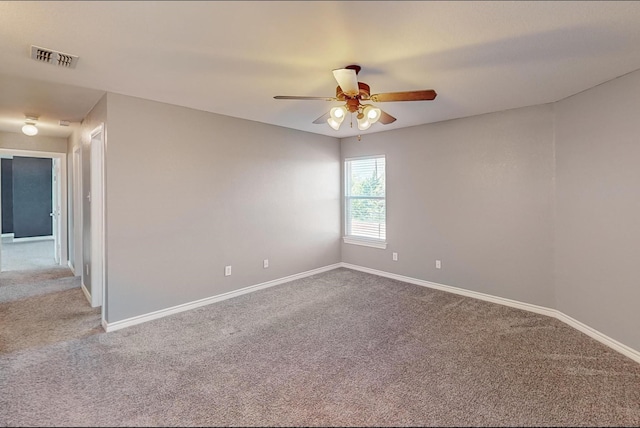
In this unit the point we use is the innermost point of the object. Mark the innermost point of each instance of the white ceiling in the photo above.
(233, 57)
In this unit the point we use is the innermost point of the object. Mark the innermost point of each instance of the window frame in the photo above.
(354, 239)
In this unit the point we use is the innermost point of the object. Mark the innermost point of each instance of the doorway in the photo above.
(34, 229)
(93, 275)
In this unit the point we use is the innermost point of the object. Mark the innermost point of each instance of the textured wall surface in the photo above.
(538, 204)
(475, 193)
(38, 143)
(598, 208)
(189, 192)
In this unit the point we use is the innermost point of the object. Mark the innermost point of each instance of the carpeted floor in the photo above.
(27, 255)
(21, 284)
(41, 307)
(342, 348)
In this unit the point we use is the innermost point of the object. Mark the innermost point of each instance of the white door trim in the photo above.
(76, 212)
(56, 183)
(97, 218)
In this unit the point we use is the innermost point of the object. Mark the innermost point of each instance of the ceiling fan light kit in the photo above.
(337, 115)
(372, 113)
(363, 124)
(338, 112)
(352, 93)
(334, 123)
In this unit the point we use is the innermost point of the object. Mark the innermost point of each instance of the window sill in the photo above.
(365, 242)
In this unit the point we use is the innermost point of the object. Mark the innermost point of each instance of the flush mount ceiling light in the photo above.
(353, 92)
(29, 127)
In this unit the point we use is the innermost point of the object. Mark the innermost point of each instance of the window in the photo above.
(365, 201)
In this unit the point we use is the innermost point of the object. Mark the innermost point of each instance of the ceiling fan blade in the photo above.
(323, 118)
(424, 95)
(348, 81)
(293, 97)
(386, 118)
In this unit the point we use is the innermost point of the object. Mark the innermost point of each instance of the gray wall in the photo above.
(538, 204)
(188, 192)
(475, 193)
(598, 208)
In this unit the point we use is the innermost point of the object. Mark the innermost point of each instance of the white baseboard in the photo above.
(589, 331)
(117, 325)
(33, 239)
(86, 292)
(600, 337)
(461, 291)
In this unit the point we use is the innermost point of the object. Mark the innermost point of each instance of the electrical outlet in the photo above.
(438, 264)
(227, 271)
(395, 257)
(265, 263)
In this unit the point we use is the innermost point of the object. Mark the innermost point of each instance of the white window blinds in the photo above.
(365, 199)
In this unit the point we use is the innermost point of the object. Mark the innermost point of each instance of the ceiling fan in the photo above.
(353, 93)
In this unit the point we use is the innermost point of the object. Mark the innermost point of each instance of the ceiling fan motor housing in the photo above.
(353, 102)
(364, 93)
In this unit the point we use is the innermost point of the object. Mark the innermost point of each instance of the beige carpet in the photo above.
(16, 285)
(342, 348)
(41, 307)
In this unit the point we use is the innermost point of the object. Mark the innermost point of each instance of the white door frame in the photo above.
(98, 265)
(56, 182)
(62, 250)
(76, 207)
